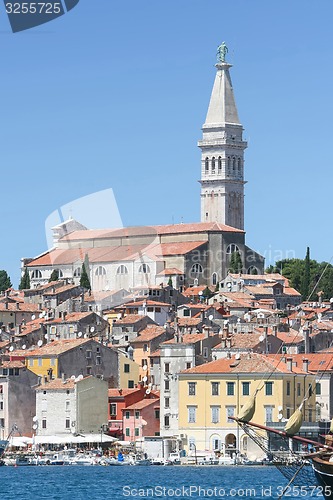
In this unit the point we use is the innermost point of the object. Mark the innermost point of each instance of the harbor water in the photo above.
(135, 482)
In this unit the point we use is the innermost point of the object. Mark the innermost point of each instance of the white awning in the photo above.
(71, 438)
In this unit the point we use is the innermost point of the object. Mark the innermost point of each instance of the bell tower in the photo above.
(222, 158)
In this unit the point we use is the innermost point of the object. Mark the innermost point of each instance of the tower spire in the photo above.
(222, 146)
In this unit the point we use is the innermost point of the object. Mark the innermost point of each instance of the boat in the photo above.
(311, 471)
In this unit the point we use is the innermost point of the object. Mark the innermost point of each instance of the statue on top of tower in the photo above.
(222, 51)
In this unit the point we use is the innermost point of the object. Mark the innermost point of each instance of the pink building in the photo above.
(141, 419)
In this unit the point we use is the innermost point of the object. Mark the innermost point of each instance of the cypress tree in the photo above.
(25, 280)
(54, 275)
(84, 279)
(305, 283)
(236, 264)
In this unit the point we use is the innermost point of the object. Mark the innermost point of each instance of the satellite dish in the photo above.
(40, 315)
(92, 329)
(144, 379)
(40, 343)
(85, 336)
(45, 336)
(33, 317)
(79, 334)
(331, 300)
(35, 418)
(280, 408)
(43, 313)
(80, 377)
(280, 416)
(34, 427)
(73, 377)
(237, 356)
(210, 317)
(145, 368)
(119, 316)
(148, 391)
(229, 285)
(199, 293)
(24, 346)
(261, 338)
(226, 321)
(11, 348)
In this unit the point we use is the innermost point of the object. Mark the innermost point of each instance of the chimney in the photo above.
(223, 343)
(6, 305)
(228, 355)
(228, 342)
(275, 328)
(202, 315)
(305, 365)
(17, 305)
(306, 333)
(290, 364)
(63, 377)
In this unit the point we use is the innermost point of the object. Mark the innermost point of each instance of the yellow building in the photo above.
(129, 372)
(211, 393)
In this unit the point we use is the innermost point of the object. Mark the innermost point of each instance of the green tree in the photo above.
(5, 282)
(170, 282)
(54, 275)
(84, 279)
(236, 264)
(25, 280)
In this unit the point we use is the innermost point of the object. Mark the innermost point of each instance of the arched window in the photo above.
(207, 164)
(232, 248)
(144, 268)
(213, 165)
(122, 269)
(37, 274)
(233, 164)
(252, 270)
(229, 162)
(196, 269)
(239, 162)
(219, 163)
(77, 272)
(214, 278)
(100, 271)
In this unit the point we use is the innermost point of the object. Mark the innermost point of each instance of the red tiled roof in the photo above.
(149, 333)
(141, 404)
(57, 347)
(57, 384)
(13, 364)
(71, 317)
(170, 271)
(113, 393)
(179, 248)
(187, 338)
(19, 307)
(130, 318)
(256, 363)
(187, 321)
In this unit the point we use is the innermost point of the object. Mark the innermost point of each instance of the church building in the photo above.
(189, 254)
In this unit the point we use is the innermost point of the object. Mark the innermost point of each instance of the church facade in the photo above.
(187, 254)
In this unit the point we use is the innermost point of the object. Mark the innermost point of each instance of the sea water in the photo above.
(135, 482)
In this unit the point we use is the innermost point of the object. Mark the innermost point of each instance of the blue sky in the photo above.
(113, 96)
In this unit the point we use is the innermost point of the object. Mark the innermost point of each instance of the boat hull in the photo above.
(323, 470)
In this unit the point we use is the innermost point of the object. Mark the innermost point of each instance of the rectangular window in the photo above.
(288, 388)
(127, 415)
(88, 370)
(16, 371)
(145, 347)
(246, 388)
(318, 388)
(11, 371)
(298, 389)
(144, 362)
(126, 368)
(98, 360)
(44, 423)
(167, 367)
(68, 405)
(2, 422)
(137, 414)
(40, 362)
(288, 413)
(215, 414)
(167, 421)
(269, 414)
(1, 405)
(113, 409)
(205, 352)
(166, 402)
(127, 431)
(191, 414)
(188, 366)
(166, 385)
(130, 384)
(215, 388)
(191, 388)
(136, 431)
(88, 354)
(230, 388)
(230, 413)
(68, 423)
(269, 388)
(310, 415)
(186, 312)
(310, 390)
(157, 413)
(5, 371)
(31, 362)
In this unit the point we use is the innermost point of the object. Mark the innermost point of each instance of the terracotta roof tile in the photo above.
(170, 271)
(129, 319)
(57, 347)
(187, 338)
(57, 384)
(113, 393)
(149, 333)
(141, 404)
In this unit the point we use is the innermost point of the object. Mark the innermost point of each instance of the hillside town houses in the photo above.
(168, 341)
